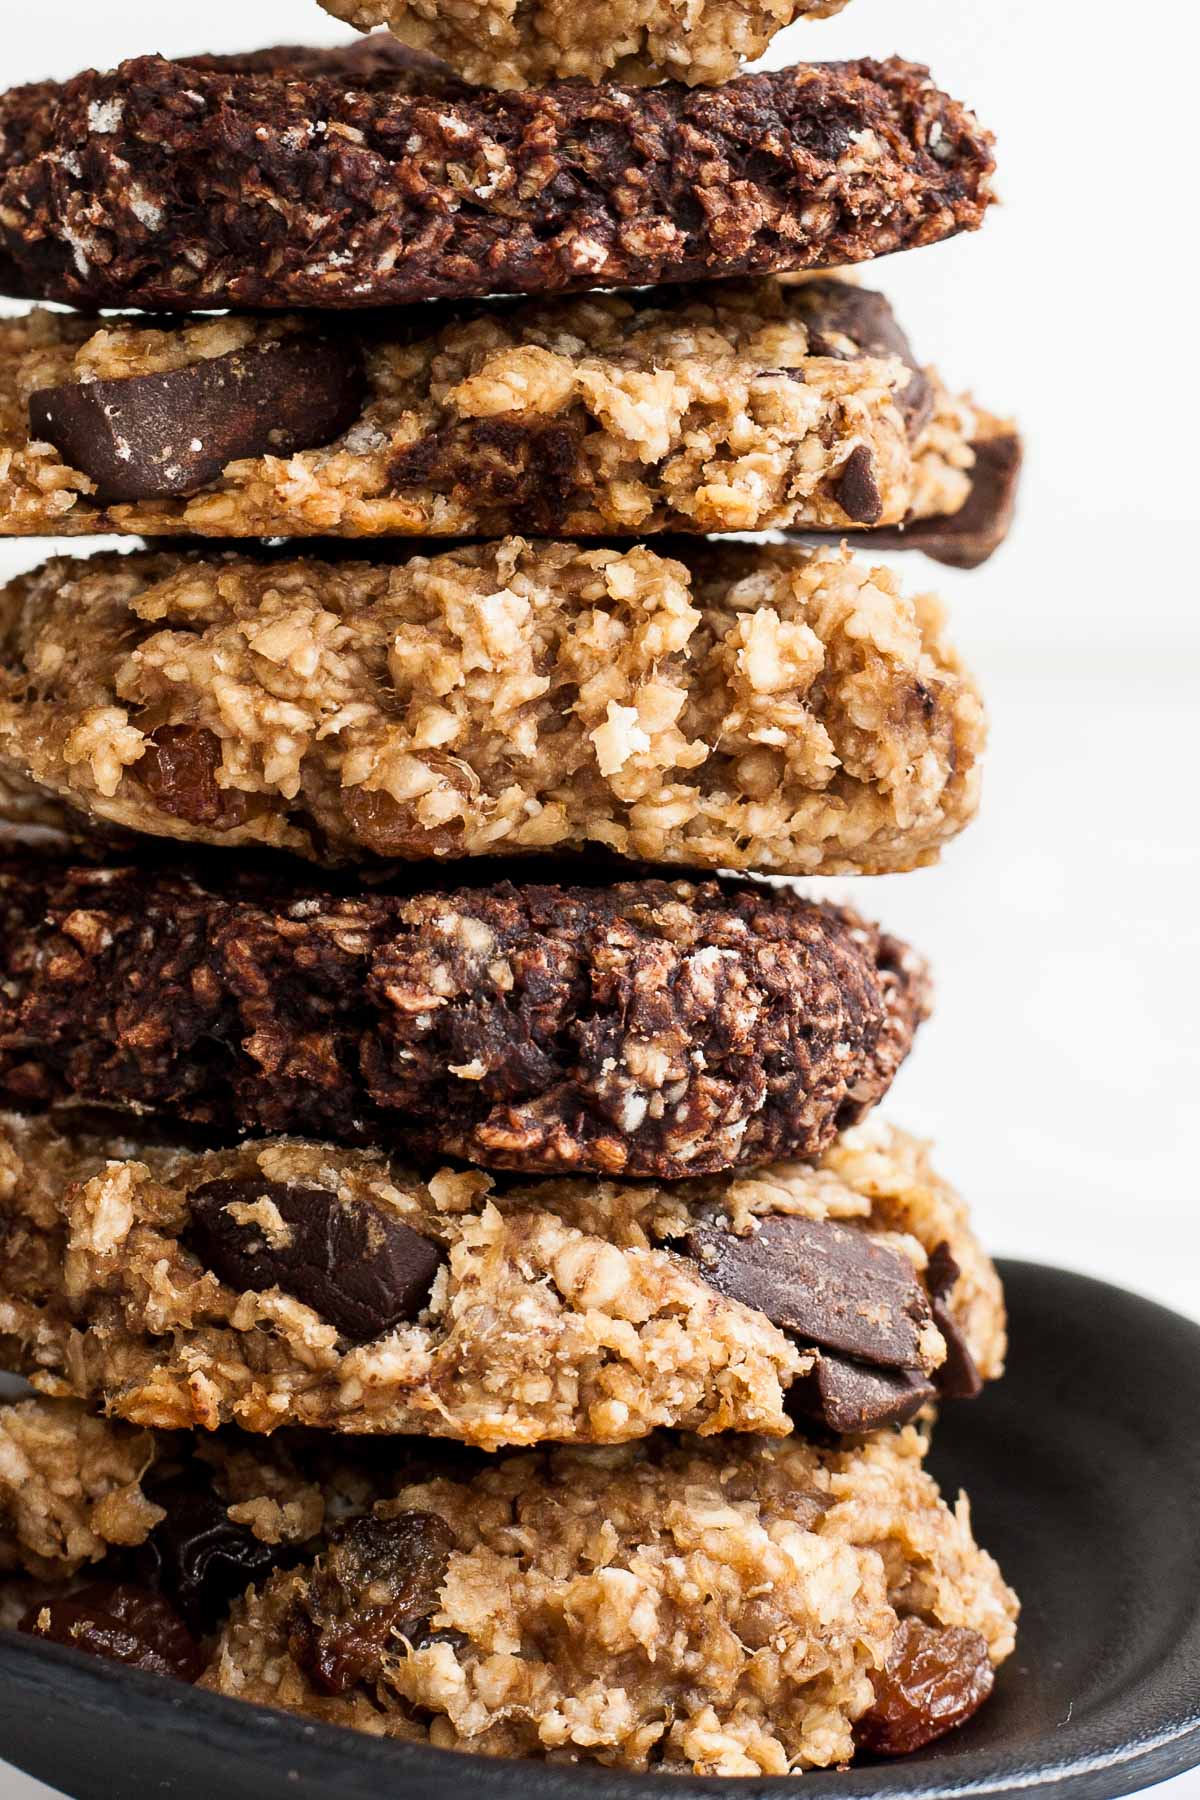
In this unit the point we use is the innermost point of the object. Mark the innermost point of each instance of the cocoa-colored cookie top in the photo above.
(365, 177)
(644, 1028)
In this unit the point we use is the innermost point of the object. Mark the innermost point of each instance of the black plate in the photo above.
(1084, 1468)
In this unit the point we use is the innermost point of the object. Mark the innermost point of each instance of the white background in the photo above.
(1059, 1076)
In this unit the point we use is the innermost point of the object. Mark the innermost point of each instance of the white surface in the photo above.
(1060, 1074)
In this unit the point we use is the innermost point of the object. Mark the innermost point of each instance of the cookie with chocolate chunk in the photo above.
(732, 407)
(636, 1028)
(728, 706)
(291, 1282)
(368, 177)
(660, 1602)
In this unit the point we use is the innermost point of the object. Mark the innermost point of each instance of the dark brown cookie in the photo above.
(365, 176)
(646, 1028)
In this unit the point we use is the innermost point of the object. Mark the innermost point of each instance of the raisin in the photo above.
(379, 823)
(361, 1270)
(936, 1677)
(197, 1556)
(379, 1580)
(121, 1623)
(388, 827)
(178, 769)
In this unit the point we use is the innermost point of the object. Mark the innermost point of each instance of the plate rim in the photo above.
(259, 1734)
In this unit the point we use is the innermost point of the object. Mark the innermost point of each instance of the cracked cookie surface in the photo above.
(368, 177)
(732, 706)
(649, 1027)
(731, 1606)
(276, 1283)
(739, 407)
(520, 43)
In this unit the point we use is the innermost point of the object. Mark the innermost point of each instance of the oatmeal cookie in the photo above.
(731, 1607)
(368, 176)
(726, 1606)
(734, 407)
(285, 1282)
(755, 707)
(641, 1028)
(517, 43)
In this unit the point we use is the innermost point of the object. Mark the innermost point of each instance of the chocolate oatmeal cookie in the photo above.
(731, 1606)
(737, 706)
(647, 1028)
(520, 43)
(368, 177)
(729, 407)
(287, 1282)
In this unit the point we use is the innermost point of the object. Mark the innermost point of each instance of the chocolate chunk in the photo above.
(848, 1397)
(524, 463)
(857, 490)
(178, 768)
(964, 539)
(958, 1378)
(197, 1556)
(360, 1270)
(936, 1677)
(836, 310)
(941, 1272)
(121, 1623)
(830, 1285)
(150, 436)
(377, 1583)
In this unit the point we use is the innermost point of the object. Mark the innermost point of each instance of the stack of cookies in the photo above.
(465, 1295)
